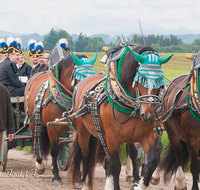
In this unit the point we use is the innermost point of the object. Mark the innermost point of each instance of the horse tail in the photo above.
(168, 162)
(100, 154)
(74, 161)
(75, 158)
(45, 142)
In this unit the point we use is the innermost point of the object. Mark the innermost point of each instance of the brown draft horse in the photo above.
(183, 132)
(50, 134)
(138, 129)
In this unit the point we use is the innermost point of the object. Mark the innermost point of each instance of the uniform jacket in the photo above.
(24, 70)
(6, 113)
(9, 76)
(38, 69)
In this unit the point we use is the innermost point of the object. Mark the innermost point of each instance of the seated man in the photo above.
(23, 68)
(8, 70)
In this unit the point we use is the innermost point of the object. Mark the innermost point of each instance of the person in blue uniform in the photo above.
(40, 66)
(8, 70)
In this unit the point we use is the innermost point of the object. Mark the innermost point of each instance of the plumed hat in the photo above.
(39, 48)
(3, 46)
(31, 47)
(13, 45)
(64, 44)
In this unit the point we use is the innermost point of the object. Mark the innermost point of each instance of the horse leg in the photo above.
(39, 165)
(54, 152)
(178, 151)
(155, 179)
(193, 167)
(129, 170)
(133, 155)
(109, 184)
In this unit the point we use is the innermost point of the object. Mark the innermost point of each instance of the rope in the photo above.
(60, 84)
(15, 132)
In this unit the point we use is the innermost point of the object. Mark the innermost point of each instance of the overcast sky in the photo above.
(113, 17)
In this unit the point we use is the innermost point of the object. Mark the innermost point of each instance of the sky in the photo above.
(112, 17)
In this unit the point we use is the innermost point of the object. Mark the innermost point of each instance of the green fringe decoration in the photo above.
(191, 111)
(128, 93)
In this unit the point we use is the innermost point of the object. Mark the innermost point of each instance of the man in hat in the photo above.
(32, 52)
(40, 66)
(4, 49)
(8, 70)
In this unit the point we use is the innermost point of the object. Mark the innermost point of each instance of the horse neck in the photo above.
(131, 90)
(64, 78)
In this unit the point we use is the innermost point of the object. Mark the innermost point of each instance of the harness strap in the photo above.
(98, 126)
(37, 111)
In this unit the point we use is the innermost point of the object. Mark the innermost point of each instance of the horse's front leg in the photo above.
(39, 165)
(54, 139)
(193, 167)
(148, 145)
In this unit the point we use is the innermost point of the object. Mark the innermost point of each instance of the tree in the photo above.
(54, 36)
(81, 42)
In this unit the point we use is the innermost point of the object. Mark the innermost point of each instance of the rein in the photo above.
(191, 95)
(60, 83)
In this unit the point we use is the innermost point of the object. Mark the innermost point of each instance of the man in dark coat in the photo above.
(40, 66)
(23, 68)
(8, 71)
(6, 115)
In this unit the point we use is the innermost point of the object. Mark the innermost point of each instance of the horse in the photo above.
(181, 121)
(91, 105)
(66, 70)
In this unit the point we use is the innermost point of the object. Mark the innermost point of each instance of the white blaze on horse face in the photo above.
(180, 178)
(109, 183)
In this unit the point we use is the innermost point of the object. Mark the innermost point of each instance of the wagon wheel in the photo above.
(63, 155)
(4, 151)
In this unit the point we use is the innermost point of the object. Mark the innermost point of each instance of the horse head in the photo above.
(148, 82)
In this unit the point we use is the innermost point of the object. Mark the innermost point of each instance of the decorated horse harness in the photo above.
(83, 68)
(118, 96)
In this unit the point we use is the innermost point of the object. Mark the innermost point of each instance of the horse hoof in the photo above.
(78, 185)
(57, 181)
(129, 178)
(155, 181)
(40, 172)
(176, 188)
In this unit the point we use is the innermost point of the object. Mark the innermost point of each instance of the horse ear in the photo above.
(94, 58)
(76, 60)
(139, 58)
(165, 59)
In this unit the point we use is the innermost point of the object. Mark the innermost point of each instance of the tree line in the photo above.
(85, 44)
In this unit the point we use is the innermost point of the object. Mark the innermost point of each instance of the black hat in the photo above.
(31, 46)
(3, 46)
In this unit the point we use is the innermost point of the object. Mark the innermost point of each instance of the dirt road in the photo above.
(20, 175)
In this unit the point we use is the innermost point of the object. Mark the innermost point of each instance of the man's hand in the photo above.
(10, 137)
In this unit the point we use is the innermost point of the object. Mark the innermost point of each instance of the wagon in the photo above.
(23, 136)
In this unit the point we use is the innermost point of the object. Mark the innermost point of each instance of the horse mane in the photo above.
(67, 62)
(130, 65)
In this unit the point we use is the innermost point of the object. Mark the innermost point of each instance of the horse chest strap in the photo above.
(99, 130)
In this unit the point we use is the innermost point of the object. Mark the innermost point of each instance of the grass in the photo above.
(27, 149)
